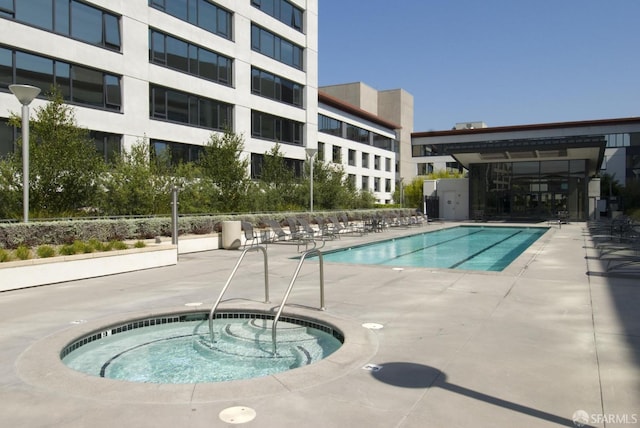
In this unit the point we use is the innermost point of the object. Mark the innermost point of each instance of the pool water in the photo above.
(483, 248)
(182, 352)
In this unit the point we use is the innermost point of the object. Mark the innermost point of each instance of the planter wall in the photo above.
(30, 273)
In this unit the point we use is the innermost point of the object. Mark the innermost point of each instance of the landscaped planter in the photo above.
(34, 272)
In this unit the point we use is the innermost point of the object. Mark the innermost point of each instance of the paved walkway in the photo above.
(526, 347)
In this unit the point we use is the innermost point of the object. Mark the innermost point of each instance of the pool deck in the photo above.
(526, 347)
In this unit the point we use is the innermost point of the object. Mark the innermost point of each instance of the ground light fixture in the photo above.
(25, 94)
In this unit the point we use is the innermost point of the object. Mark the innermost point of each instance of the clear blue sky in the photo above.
(504, 62)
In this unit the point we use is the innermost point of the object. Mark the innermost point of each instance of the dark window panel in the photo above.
(61, 17)
(6, 67)
(87, 86)
(86, 23)
(34, 70)
(35, 12)
(63, 79)
(177, 54)
(177, 107)
(113, 92)
(111, 31)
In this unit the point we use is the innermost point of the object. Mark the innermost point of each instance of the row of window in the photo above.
(274, 46)
(201, 13)
(329, 125)
(336, 157)
(275, 87)
(275, 128)
(107, 145)
(169, 51)
(282, 10)
(182, 107)
(365, 183)
(71, 18)
(77, 84)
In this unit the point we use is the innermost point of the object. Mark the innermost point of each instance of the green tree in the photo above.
(64, 164)
(413, 192)
(222, 163)
(277, 182)
(136, 185)
(10, 188)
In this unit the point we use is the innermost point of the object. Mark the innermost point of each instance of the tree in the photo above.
(277, 181)
(136, 185)
(64, 163)
(222, 163)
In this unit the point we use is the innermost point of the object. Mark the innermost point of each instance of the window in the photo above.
(358, 134)
(282, 10)
(382, 142)
(174, 153)
(329, 125)
(425, 168)
(108, 145)
(67, 17)
(276, 47)
(275, 87)
(320, 151)
(336, 154)
(275, 128)
(257, 160)
(352, 157)
(387, 164)
(77, 84)
(7, 138)
(365, 160)
(376, 162)
(387, 185)
(202, 13)
(181, 107)
(376, 184)
(365, 182)
(183, 56)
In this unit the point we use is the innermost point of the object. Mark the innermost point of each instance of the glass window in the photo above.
(352, 157)
(336, 154)
(87, 86)
(365, 160)
(86, 23)
(34, 70)
(158, 103)
(61, 17)
(177, 107)
(177, 54)
(111, 31)
(35, 12)
(63, 79)
(6, 138)
(158, 49)
(6, 67)
(113, 93)
(208, 17)
(177, 8)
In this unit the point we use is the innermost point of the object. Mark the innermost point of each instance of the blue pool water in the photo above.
(484, 248)
(177, 350)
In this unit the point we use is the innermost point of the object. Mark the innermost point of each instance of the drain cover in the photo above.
(237, 415)
(372, 326)
(372, 367)
(193, 304)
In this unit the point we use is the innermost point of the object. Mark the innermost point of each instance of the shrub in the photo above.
(45, 251)
(139, 244)
(5, 256)
(96, 244)
(67, 250)
(118, 245)
(23, 252)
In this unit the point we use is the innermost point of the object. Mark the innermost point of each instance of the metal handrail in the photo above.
(293, 280)
(233, 272)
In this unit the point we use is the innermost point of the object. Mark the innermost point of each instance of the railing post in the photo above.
(174, 215)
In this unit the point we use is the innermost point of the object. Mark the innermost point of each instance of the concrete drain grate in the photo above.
(237, 415)
(372, 326)
(372, 367)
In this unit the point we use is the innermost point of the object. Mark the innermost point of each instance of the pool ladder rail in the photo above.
(313, 251)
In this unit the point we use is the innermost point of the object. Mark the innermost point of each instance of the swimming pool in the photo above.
(483, 248)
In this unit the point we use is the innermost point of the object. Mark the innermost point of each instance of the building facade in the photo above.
(535, 171)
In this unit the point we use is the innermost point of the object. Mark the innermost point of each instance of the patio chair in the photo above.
(278, 233)
(249, 234)
(326, 229)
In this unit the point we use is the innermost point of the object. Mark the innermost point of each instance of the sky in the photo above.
(504, 62)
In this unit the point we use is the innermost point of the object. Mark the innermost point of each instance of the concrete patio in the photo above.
(533, 346)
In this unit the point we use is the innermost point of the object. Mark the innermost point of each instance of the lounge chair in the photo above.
(277, 233)
(249, 234)
(326, 229)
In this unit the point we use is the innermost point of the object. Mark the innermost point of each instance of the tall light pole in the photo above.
(311, 152)
(25, 94)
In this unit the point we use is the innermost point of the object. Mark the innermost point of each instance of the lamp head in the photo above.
(24, 93)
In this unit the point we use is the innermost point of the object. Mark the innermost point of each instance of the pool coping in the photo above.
(40, 365)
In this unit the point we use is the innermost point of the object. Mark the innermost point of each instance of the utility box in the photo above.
(231, 233)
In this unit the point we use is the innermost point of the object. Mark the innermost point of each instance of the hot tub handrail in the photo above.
(233, 272)
(293, 280)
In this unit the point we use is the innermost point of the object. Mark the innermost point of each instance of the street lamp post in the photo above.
(25, 94)
(311, 152)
